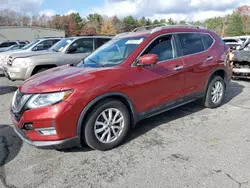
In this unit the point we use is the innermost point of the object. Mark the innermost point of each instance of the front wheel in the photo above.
(107, 125)
(215, 93)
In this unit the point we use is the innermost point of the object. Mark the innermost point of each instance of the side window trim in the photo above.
(174, 48)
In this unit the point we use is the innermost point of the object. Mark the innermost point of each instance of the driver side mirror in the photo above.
(147, 60)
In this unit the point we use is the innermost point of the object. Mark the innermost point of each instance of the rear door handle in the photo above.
(178, 68)
(209, 58)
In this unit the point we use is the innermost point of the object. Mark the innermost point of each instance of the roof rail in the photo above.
(177, 26)
(147, 27)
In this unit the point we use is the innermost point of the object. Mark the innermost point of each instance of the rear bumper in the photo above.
(60, 144)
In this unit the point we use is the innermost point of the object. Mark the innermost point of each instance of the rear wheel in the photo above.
(215, 93)
(107, 125)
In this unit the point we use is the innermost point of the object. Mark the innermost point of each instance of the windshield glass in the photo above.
(30, 44)
(113, 52)
(60, 46)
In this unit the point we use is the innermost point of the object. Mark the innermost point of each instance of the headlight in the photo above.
(46, 99)
(21, 62)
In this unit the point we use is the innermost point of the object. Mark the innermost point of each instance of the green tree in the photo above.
(155, 22)
(163, 21)
(78, 20)
(171, 21)
(129, 23)
(95, 21)
(142, 21)
(235, 25)
(182, 22)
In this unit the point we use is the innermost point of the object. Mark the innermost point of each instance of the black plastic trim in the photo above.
(94, 101)
(171, 105)
(60, 144)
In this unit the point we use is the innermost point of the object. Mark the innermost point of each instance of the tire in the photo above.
(208, 100)
(94, 139)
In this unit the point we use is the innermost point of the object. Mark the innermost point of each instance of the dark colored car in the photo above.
(132, 77)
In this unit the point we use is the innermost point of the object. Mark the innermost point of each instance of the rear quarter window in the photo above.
(207, 40)
(191, 43)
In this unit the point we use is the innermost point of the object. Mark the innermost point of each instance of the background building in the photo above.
(28, 33)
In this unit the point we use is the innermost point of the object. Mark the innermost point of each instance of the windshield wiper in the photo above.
(100, 65)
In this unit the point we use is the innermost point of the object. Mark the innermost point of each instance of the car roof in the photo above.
(144, 32)
(94, 36)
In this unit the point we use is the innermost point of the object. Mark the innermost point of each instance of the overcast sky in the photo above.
(189, 10)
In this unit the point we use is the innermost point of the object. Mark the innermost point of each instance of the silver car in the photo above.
(71, 50)
(37, 45)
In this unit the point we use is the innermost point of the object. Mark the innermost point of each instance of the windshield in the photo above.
(30, 44)
(60, 46)
(113, 52)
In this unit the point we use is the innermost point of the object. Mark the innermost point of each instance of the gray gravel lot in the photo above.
(186, 147)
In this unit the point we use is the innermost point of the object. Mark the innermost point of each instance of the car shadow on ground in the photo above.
(10, 145)
(234, 89)
(7, 89)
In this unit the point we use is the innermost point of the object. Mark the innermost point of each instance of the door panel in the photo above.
(157, 85)
(196, 58)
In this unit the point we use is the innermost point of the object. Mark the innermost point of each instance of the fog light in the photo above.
(28, 126)
(47, 131)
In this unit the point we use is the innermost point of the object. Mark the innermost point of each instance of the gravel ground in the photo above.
(186, 147)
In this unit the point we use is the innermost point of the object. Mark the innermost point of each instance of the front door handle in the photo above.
(178, 68)
(209, 58)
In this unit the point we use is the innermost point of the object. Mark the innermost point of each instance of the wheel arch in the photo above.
(112, 95)
(222, 72)
(39, 67)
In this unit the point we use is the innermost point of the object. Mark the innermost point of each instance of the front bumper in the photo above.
(60, 144)
(61, 117)
(16, 73)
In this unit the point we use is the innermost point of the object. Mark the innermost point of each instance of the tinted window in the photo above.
(191, 43)
(7, 44)
(101, 41)
(30, 44)
(82, 46)
(208, 41)
(230, 40)
(22, 42)
(163, 47)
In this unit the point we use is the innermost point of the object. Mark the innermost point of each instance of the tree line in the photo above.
(237, 23)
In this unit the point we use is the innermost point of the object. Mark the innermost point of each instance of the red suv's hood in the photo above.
(57, 78)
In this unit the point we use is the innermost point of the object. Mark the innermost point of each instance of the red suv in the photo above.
(134, 76)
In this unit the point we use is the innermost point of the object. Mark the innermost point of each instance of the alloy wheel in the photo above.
(109, 125)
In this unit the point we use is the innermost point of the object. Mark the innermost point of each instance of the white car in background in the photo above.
(35, 46)
(233, 42)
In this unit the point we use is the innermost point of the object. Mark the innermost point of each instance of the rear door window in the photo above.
(84, 45)
(191, 43)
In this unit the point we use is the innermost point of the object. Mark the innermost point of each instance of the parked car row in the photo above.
(21, 66)
(35, 46)
(11, 45)
(133, 76)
